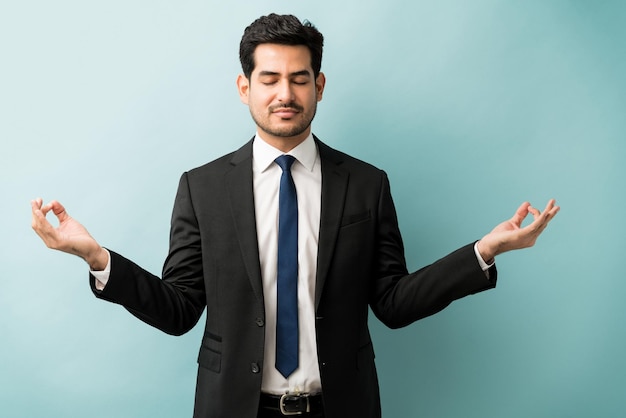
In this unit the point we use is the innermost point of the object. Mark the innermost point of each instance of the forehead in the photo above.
(282, 59)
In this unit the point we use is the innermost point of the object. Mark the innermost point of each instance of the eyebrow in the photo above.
(294, 74)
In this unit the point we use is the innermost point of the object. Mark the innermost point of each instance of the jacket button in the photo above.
(254, 367)
(260, 322)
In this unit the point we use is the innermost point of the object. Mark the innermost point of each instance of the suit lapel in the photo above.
(334, 185)
(241, 199)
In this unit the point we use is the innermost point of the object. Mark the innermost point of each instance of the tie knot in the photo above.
(285, 162)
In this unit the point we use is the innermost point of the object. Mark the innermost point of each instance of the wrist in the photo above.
(98, 260)
(486, 254)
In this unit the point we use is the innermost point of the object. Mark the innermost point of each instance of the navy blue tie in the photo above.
(287, 281)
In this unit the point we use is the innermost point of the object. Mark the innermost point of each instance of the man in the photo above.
(262, 356)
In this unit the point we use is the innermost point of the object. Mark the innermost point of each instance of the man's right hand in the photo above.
(70, 236)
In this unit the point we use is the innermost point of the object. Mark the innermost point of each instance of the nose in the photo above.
(285, 92)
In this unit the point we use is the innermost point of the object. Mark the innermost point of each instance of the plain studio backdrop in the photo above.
(470, 107)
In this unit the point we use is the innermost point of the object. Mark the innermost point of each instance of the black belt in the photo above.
(292, 404)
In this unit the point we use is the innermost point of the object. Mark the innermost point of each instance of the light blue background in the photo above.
(471, 108)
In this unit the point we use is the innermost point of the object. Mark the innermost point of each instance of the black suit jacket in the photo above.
(213, 263)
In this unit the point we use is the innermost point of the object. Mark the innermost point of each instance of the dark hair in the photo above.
(283, 30)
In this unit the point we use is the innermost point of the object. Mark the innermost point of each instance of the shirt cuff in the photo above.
(483, 264)
(102, 276)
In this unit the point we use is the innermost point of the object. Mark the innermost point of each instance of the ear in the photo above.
(243, 86)
(320, 82)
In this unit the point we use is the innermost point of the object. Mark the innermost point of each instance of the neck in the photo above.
(284, 144)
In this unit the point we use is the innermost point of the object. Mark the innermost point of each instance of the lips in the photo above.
(285, 112)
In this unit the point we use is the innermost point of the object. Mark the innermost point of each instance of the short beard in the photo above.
(286, 132)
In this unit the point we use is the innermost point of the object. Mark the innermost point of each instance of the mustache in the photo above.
(290, 105)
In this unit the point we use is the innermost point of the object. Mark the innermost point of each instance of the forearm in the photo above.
(401, 300)
(171, 307)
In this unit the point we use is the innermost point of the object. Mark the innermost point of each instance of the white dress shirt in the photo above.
(307, 176)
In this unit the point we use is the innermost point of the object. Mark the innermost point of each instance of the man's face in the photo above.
(282, 93)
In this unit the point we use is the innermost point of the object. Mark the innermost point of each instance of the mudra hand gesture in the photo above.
(509, 235)
(70, 236)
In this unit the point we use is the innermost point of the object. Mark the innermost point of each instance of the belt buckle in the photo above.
(302, 404)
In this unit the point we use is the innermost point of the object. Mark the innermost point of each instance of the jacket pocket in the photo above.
(349, 220)
(210, 356)
(365, 356)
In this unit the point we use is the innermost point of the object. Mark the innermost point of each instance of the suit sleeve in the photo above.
(399, 298)
(175, 303)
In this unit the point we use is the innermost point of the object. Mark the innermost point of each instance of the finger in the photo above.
(521, 213)
(551, 208)
(542, 218)
(36, 203)
(554, 211)
(36, 212)
(534, 211)
(45, 208)
(39, 223)
(548, 213)
(57, 209)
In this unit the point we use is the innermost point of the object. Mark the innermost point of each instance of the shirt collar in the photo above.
(263, 154)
